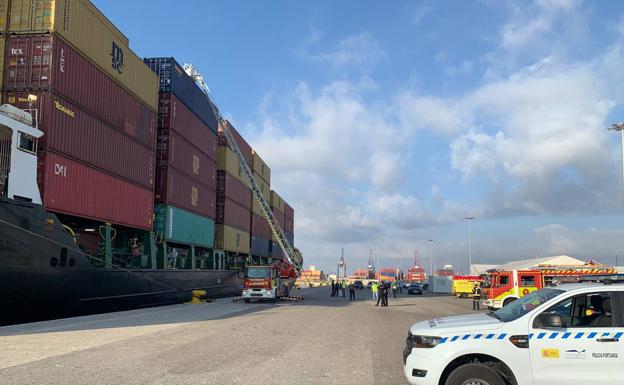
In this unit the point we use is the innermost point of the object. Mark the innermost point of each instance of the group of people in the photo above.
(342, 286)
(380, 292)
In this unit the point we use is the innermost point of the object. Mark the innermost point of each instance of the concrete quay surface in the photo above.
(320, 340)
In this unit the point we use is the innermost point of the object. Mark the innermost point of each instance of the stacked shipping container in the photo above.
(186, 155)
(260, 230)
(233, 196)
(96, 103)
(277, 205)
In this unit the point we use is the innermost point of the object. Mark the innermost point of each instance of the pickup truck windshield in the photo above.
(526, 304)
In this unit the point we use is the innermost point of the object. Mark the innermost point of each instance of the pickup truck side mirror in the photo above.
(548, 321)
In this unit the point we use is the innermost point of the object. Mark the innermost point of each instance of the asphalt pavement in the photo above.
(320, 340)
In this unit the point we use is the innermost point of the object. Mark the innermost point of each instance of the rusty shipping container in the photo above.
(74, 133)
(73, 188)
(244, 147)
(289, 224)
(279, 217)
(260, 167)
(174, 188)
(231, 239)
(175, 115)
(231, 188)
(81, 24)
(260, 226)
(233, 214)
(172, 78)
(175, 151)
(47, 62)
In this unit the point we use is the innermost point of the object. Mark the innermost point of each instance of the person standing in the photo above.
(333, 285)
(383, 294)
(476, 296)
(380, 289)
(375, 291)
(344, 288)
(173, 258)
(351, 292)
(394, 289)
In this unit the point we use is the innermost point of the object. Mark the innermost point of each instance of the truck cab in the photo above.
(262, 283)
(505, 287)
(571, 334)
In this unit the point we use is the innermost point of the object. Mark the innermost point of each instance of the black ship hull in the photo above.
(43, 274)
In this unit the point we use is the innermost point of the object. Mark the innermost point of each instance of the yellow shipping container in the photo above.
(86, 28)
(260, 167)
(4, 15)
(232, 239)
(2, 43)
(227, 161)
(276, 201)
(264, 188)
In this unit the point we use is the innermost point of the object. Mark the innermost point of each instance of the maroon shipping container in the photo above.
(173, 150)
(47, 62)
(76, 134)
(232, 188)
(232, 214)
(72, 188)
(289, 225)
(289, 211)
(260, 226)
(242, 143)
(279, 217)
(176, 189)
(175, 115)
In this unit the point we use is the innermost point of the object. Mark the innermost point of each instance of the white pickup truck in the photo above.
(565, 335)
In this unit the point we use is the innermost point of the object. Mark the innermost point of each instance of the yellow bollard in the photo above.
(198, 297)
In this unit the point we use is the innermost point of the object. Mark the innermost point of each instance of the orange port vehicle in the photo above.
(503, 287)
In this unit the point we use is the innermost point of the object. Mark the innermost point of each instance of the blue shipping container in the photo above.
(275, 251)
(172, 78)
(259, 246)
(290, 237)
(177, 225)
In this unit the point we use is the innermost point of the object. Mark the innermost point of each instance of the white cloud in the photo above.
(420, 13)
(361, 51)
(429, 113)
(588, 242)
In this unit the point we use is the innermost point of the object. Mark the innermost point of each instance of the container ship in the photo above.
(117, 185)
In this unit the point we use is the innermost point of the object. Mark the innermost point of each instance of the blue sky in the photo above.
(386, 124)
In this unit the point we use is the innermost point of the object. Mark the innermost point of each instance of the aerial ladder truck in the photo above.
(261, 282)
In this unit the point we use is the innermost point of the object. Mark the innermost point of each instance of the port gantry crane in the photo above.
(289, 252)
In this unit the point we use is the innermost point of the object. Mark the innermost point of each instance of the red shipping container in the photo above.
(72, 188)
(232, 214)
(244, 147)
(176, 189)
(72, 132)
(175, 115)
(173, 150)
(47, 62)
(232, 188)
(260, 226)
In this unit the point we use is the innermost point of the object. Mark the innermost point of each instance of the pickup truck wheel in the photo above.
(474, 374)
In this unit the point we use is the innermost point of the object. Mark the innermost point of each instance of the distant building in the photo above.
(447, 271)
(359, 274)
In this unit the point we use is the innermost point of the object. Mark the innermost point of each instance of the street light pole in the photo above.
(431, 254)
(469, 244)
(620, 127)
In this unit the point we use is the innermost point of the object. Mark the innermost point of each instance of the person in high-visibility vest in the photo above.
(394, 289)
(274, 287)
(476, 296)
(375, 291)
(344, 288)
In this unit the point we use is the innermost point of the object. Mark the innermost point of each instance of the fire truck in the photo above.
(503, 287)
(268, 282)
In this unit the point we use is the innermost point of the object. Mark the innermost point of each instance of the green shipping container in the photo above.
(177, 225)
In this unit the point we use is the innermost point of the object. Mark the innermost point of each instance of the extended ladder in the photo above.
(286, 247)
(289, 253)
